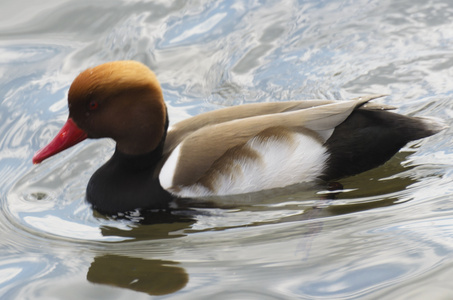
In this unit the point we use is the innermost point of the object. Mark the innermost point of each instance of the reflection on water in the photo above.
(151, 276)
(386, 234)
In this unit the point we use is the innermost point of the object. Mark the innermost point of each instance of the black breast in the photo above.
(127, 183)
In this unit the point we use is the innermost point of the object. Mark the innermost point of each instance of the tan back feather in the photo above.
(202, 146)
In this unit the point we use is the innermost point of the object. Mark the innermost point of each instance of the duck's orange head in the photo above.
(121, 100)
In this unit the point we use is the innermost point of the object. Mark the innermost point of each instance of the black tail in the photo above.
(368, 138)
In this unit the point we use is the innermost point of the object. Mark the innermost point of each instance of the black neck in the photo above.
(128, 183)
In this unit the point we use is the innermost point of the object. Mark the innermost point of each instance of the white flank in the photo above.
(168, 170)
(282, 163)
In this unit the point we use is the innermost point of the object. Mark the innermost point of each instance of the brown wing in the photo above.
(181, 130)
(202, 147)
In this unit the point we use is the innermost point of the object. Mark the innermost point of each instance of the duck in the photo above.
(234, 150)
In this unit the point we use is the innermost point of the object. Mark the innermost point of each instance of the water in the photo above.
(389, 236)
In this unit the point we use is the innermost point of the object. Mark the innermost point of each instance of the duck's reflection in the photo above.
(151, 276)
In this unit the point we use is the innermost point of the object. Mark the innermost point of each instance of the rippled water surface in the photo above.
(388, 236)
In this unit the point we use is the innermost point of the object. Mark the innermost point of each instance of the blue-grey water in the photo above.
(388, 236)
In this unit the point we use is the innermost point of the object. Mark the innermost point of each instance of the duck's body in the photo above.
(235, 150)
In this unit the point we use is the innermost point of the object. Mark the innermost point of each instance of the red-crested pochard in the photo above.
(233, 150)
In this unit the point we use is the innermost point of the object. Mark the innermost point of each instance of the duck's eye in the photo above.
(93, 105)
